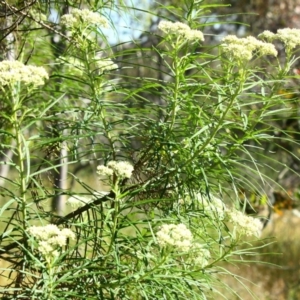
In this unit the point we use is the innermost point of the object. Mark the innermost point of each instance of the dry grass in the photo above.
(279, 277)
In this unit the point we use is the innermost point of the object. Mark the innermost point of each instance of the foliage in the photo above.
(164, 148)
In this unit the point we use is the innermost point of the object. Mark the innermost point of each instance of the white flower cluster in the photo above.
(121, 169)
(104, 171)
(177, 236)
(180, 29)
(180, 237)
(212, 206)
(267, 35)
(78, 201)
(49, 238)
(244, 225)
(289, 36)
(199, 255)
(242, 49)
(83, 17)
(15, 71)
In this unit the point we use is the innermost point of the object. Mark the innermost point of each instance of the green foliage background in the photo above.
(193, 123)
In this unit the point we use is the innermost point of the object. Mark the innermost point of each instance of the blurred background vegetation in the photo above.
(134, 42)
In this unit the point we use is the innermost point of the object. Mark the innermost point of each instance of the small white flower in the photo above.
(237, 52)
(68, 233)
(59, 240)
(289, 36)
(35, 231)
(55, 254)
(177, 236)
(244, 225)
(15, 71)
(180, 29)
(104, 171)
(194, 35)
(50, 237)
(199, 255)
(43, 232)
(173, 28)
(83, 17)
(242, 49)
(267, 35)
(45, 248)
(112, 164)
(122, 169)
(267, 49)
(212, 206)
(50, 229)
(68, 20)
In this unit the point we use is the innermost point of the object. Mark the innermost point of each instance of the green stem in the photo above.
(115, 219)
(221, 121)
(108, 134)
(16, 120)
(274, 90)
(50, 279)
(99, 108)
(222, 257)
(176, 89)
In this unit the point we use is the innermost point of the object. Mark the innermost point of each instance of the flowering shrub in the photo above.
(151, 162)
